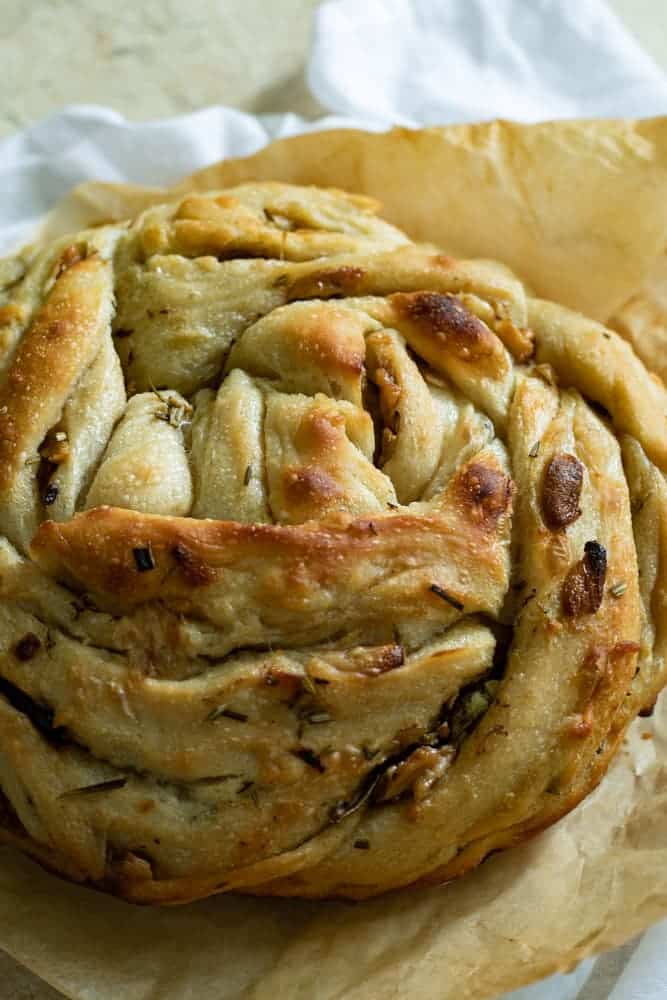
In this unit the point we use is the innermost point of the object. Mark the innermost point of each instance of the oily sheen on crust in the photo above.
(329, 564)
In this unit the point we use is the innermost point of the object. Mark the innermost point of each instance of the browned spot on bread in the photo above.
(309, 483)
(382, 659)
(445, 317)
(414, 775)
(27, 647)
(443, 260)
(321, 429)
(485, 493)
(370, 661)
(583, 588)
(582, 725)
(390, 391)
(95, 549)
(196, 207)
(326, 284)
(61, 341)
(332, 340)
(561, 490)
(625, 647)
(519, 341)
(226, 201)
(70, 256)
(193, 569)
(603, 669)
(11, 313)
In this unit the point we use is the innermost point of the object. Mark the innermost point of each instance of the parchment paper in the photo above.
(579, 210)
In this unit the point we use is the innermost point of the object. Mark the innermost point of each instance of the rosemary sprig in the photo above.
(445, 596)
(223, 712)
(100, 786)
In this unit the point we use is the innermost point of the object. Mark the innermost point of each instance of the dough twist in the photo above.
(329, 564)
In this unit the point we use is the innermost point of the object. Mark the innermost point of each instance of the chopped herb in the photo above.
(27, 647)
(637, 505)
(50, 494)
(251, 789)
(392, 506)
(41, 716)
(100, 786)
(371, 527)
(321, 680)
(248, 475)
(143, 558)
(341, 810)
(396, 421)
(529, 597)
(313, 715)
(470, 705)
(477, 704)
(84, 603)
(308, 685)
(618, 589)
(441, 593)
(362, 844)
(310, 758)
(535, 450)
(216, 779)
(222, 712)
(173, 411)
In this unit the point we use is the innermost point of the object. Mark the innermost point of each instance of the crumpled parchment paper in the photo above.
(579, 210)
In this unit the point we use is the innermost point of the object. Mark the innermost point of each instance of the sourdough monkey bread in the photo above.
(329, 564)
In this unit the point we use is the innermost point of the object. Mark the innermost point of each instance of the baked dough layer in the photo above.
(329, 564)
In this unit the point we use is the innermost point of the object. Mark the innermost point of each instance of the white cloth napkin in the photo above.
(426, 62)
(374, 63)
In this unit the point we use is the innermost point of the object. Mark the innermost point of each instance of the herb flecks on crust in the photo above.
(320, 551)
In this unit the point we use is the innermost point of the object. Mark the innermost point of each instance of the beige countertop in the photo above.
(154, 58)
(164, 57)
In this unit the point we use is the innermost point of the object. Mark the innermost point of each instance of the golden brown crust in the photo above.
(60, 343)
(342, 568)
(561, 489)
(319, 573)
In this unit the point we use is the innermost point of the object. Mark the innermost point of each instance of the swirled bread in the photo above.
(329, 564)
